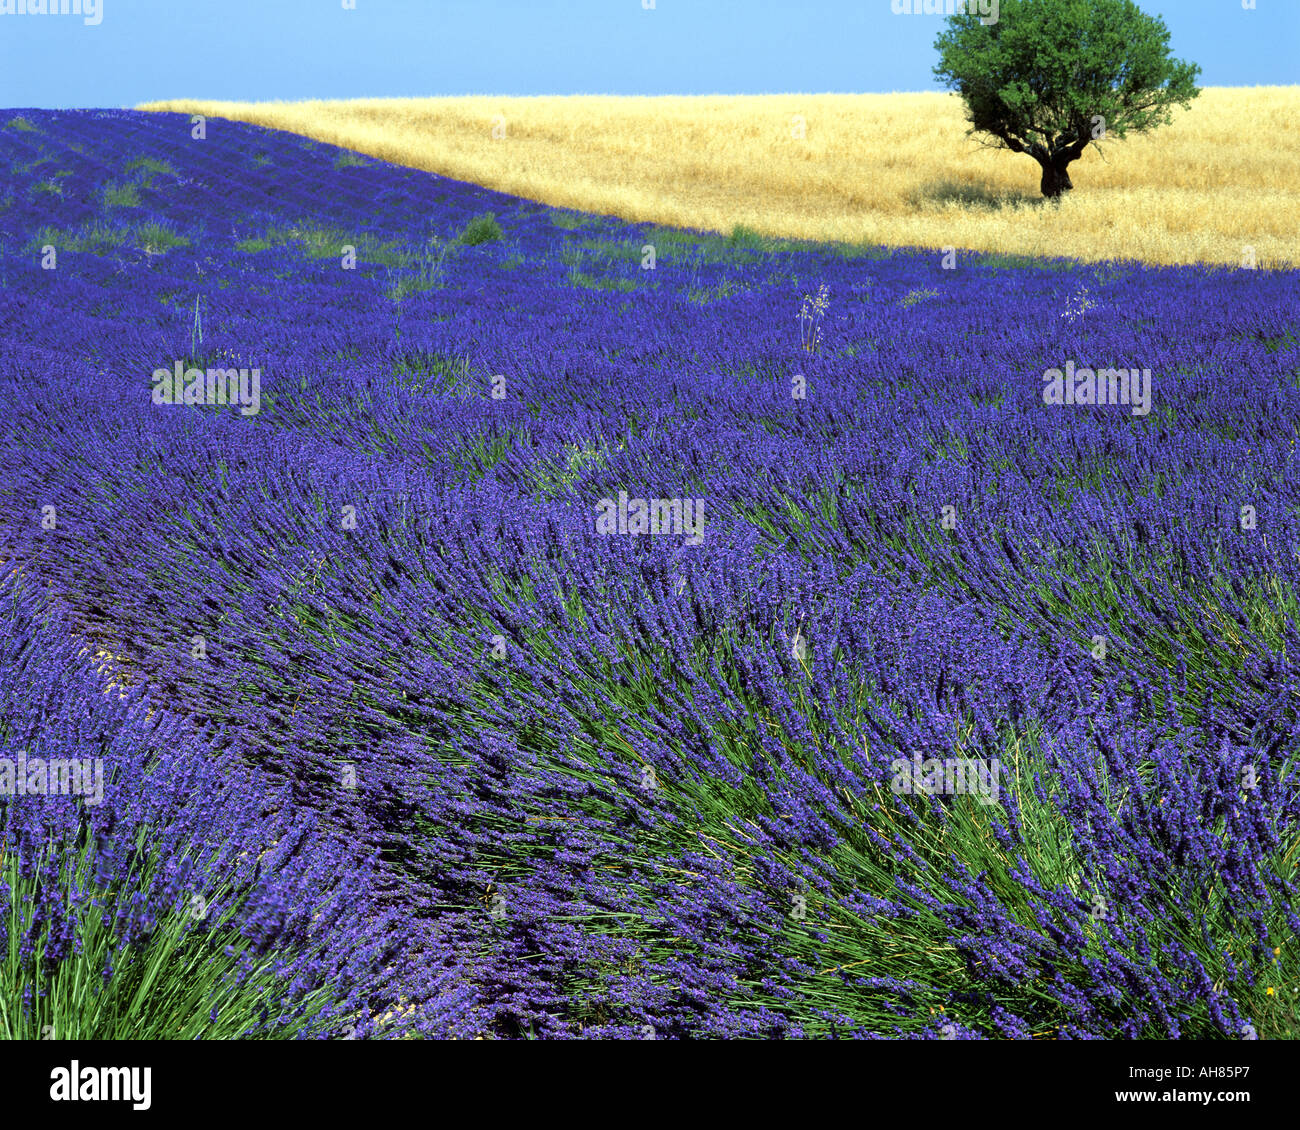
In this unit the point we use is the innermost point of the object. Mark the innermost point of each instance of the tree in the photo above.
(1050, 77)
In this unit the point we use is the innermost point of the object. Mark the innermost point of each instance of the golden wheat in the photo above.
(1221, 183)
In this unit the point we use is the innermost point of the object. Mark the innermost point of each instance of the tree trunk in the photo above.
(1056, 178)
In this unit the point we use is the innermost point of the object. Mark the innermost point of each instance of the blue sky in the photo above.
(286, 49)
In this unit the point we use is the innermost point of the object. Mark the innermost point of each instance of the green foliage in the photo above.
(859, 251)
(314, 242)
(430, 270)
(912, 297)
(481, 229)
(121, 196)
(99, 239)
(703, 295)
(151, 165)
(189, 975)
(742, 236)
(570, 221)
(96, 238)
(1051, 77)
(999, 261)
(156, 238)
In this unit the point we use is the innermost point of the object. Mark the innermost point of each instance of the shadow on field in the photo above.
(971, 195)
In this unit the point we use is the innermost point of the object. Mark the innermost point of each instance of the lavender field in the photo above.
(565, 628)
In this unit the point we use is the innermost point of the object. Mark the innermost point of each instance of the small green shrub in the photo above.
(481, 229)
(152, 165)
(156, 238)
(121, 196)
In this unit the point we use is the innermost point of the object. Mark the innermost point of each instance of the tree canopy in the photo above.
(1050, 77)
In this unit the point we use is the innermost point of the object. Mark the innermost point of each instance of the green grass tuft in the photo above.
(121, 196)
(481, 229)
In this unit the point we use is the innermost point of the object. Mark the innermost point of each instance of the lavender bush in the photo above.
(543, 780)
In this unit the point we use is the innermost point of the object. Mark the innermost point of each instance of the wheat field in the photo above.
(1221, 184)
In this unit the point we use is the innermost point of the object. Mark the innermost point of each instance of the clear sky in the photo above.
(141, 50)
